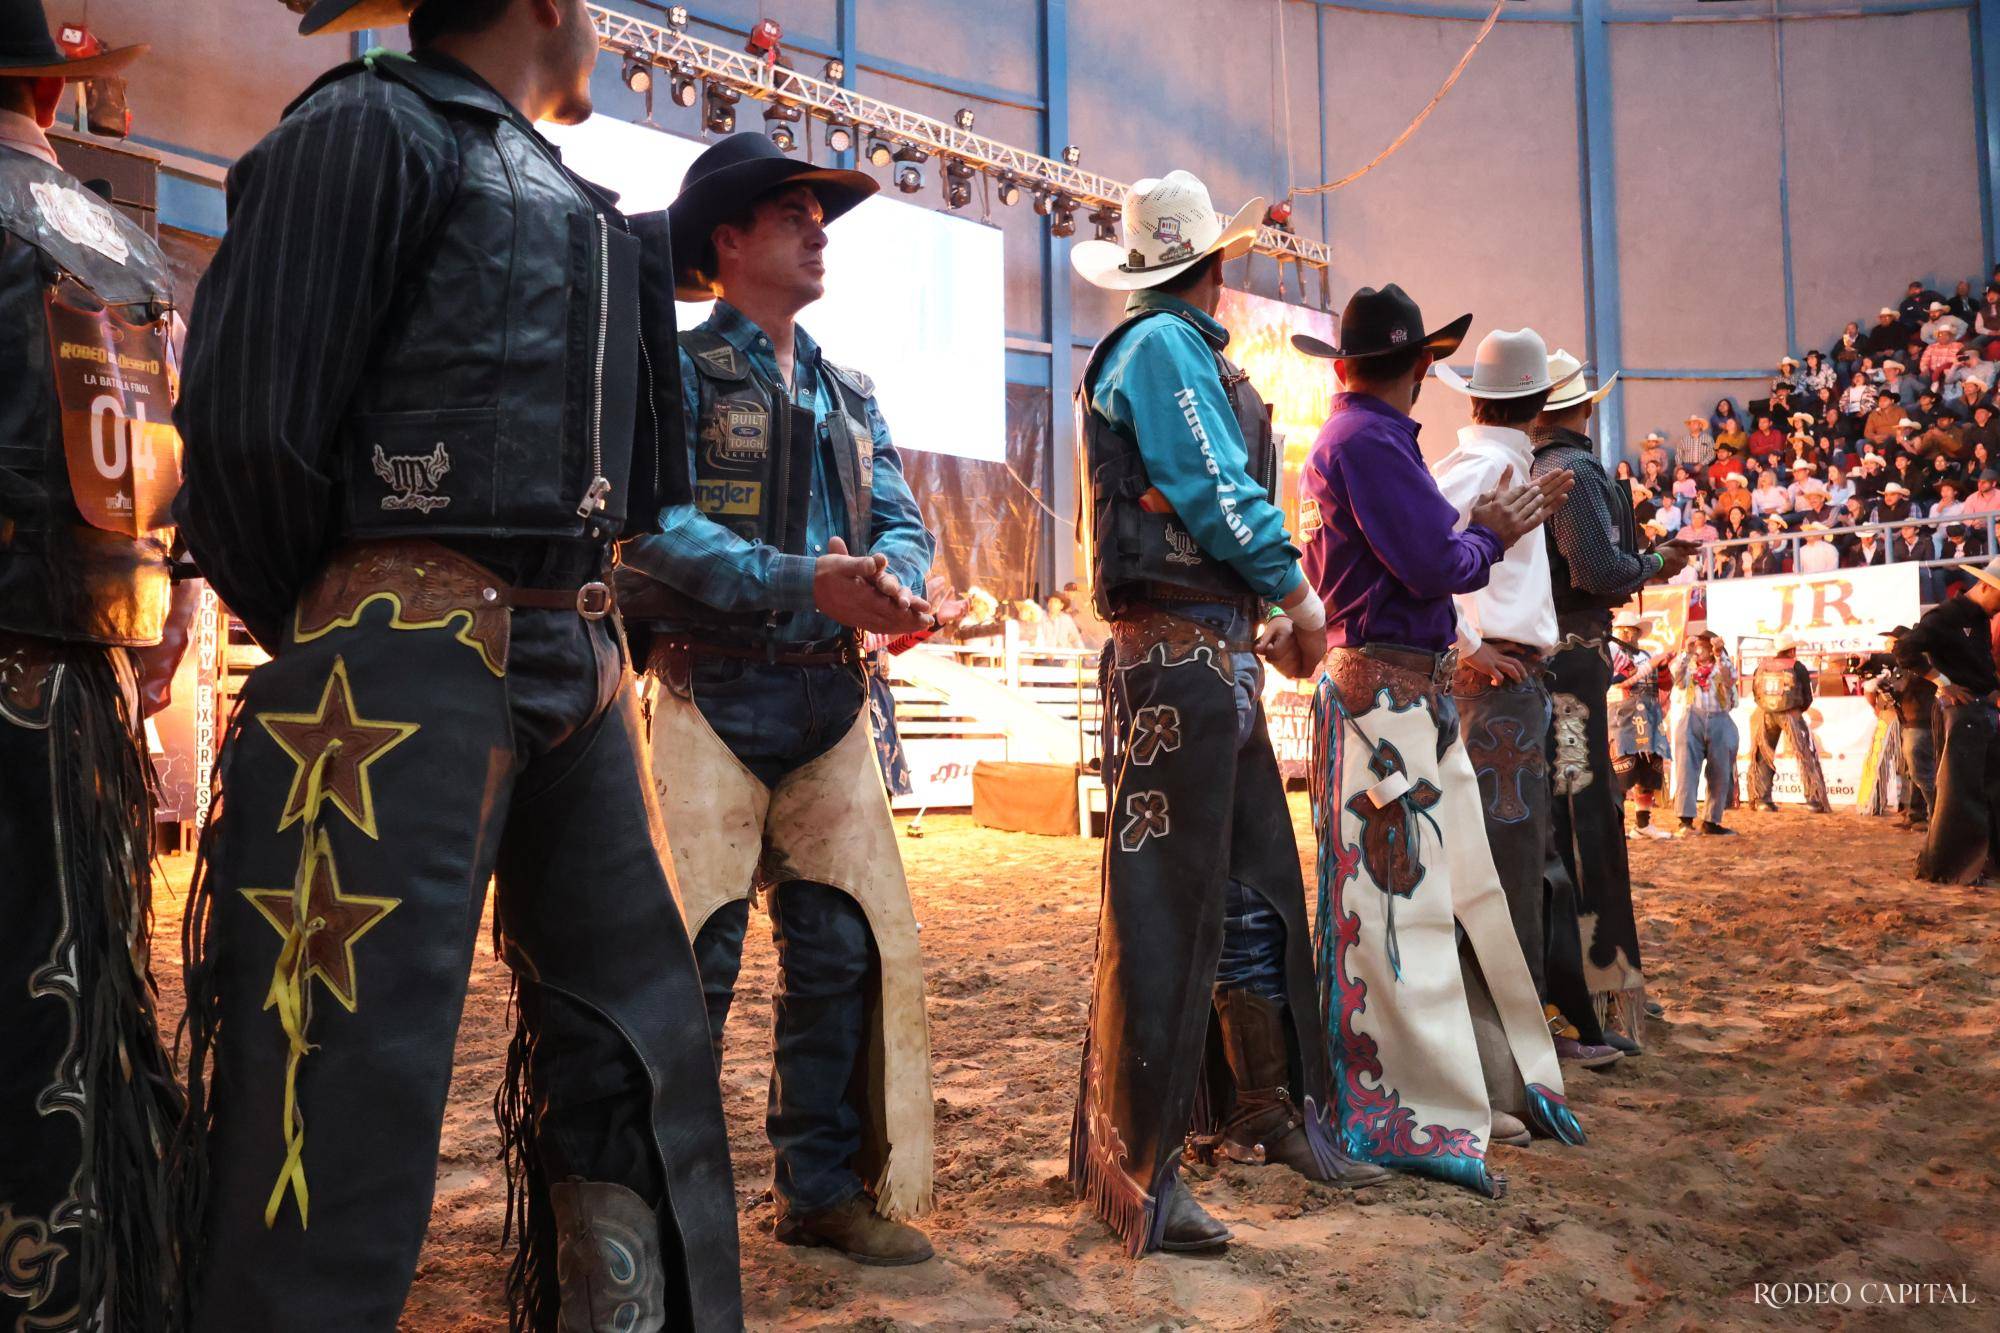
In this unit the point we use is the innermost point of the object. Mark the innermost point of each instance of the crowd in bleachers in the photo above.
(1883, 447)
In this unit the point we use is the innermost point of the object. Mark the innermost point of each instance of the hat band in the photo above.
(1193, 254)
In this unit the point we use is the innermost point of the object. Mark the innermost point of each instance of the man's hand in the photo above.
(1951, 696)
(1674, 556)
(1292, 650)
(1511, 512)
(1498, 666)
(859, 592)
(947, 607)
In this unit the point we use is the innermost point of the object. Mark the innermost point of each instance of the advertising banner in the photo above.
(1842, 612)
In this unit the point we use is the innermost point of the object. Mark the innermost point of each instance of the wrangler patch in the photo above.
(729, 497)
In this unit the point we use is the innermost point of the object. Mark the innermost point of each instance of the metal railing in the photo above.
(671, 49)
(1793, 541)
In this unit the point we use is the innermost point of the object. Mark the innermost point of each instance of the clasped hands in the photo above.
(861, 593)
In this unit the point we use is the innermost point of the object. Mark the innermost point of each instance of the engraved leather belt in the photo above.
(1439, 667)
(592, 601)
(845, 651)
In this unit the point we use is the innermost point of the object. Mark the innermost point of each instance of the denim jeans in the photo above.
(777, 719)
(1707, 744)
(1253, 933)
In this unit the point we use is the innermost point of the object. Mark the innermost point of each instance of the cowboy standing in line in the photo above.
(1202, 930)
(419, 407)
(1953, 647)
(763, 758)
(1403, 855)
(1506, 632)
(1596, 564)
(1783, 690)
(88, 647)
(1638, 740)
(1705, 735)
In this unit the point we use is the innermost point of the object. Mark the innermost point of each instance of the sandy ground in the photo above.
(1821, 1103)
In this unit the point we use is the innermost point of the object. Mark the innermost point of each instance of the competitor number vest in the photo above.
(753, 457)
(89, 459)
(1132, 546)
(1778, 689)
(501, 395)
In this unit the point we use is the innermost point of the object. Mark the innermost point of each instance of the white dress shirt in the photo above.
(1517, 602)
(1820, 557)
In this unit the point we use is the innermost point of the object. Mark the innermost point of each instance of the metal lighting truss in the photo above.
(672, 48)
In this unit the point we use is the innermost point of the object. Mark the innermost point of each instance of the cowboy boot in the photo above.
(1188, 1227)
(1265, 1125)
(608, 1268)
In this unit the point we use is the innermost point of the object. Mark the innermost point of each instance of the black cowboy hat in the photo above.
(731, 175)
(28, 52)
(1379, 323)
(350, 15)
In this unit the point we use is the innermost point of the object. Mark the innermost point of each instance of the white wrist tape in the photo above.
(1309, 614)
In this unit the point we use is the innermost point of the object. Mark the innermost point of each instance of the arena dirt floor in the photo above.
(1821, 1103)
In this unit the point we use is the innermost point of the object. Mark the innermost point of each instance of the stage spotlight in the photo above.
(957, 183)
(677, 16)
(1106, 222)
(835, 71)
(1064, 221)
(909, 168)
(1279, 215)
(1045, 201)
(1007, 189)
(1071, 154)
(839, 136)
(880, 151)
(963, 118)
(719, 111)
(778, 120)
(764, 40)
(638, 75)
(683, 89)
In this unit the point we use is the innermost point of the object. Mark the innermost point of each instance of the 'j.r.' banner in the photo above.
(1846, 611)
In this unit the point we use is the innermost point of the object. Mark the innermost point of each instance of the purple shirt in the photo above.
(1379, 545)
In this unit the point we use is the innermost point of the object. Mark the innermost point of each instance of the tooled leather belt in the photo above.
(844, 651)
(1439, 668)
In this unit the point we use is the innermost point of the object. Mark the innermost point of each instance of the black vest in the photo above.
(753, 458)
(501, 395)
(89, 460)
(1138, 554)
(1572, 601)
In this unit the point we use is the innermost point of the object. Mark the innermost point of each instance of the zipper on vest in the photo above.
(600, 487)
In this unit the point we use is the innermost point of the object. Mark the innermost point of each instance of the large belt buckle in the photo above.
(1446, 670)
(593, 601)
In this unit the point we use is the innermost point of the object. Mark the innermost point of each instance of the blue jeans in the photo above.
(1253, 933)
(1706, 745)
(777, 719)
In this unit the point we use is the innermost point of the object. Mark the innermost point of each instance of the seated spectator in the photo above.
(1941, 443)
(1945, 335)
(1853, 513)
(1899, 384)
(1983, 432)
(1814, 508)
(1816, 374)
(1653, 453)
(1057, 628)
(1761, 559)
(1871, 473)
(1726, 464)
(1833, 430)
(1698, 528)
(1643, 505)
(1911, 470)
(1838, 488)
(1778, 406)
(1882, 418)
(1927, 409)
(1862, 549)
(1986, 499)
(1802, 480)
(1724, 421)
(1894, 506)
(1667, 514)
(1735, 492)
(1858, 398)
(1816, 555)
(1911, 545)
(1987, 321)
(1685, 485)
(1948, 503)
(1962, 304)
(1847, 350)
(1768, 497)
(1695, 449)
(1767, 441)
(1788, 374)
(1887, 337)
(1622, 474)
(1652, 475)
(1968, 387)
(1962, 543)
(1916, 301)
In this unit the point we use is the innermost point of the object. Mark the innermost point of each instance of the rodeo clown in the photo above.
(88, 1101)
(419, 407)
(762, 754)
(1783, 690)
(1202, 1016)
(1403, 858)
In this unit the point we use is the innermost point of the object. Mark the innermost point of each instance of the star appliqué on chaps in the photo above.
(335, 922)
(344, 780)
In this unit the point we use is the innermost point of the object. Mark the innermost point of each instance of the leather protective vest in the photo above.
(753, 457)
(89, 459)
(1778, 689)
(1572, 601)
(1136, 553)
(501, 394)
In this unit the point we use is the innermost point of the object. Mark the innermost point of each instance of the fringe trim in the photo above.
(903, 1190)
(1624, 1010)
(1320, 1137)
(1549, 1112)
(1097, 1178)
(129, 1202)
(533, 1289)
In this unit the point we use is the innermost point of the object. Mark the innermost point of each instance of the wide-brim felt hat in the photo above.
(1382, 323)
(734, 173)
(1167, 225)
(27, 51)
(1509, 363)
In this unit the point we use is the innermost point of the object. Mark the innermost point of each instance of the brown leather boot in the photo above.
(857, 1231)
(1266, 1125)
(607, 1260)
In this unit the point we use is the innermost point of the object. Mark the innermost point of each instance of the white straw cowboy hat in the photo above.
(1988, 573)
(1567, 372)
(1510, 363)
(1169, 226)
(1783, 644)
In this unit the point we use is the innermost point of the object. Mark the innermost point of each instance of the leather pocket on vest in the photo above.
(431, 468)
